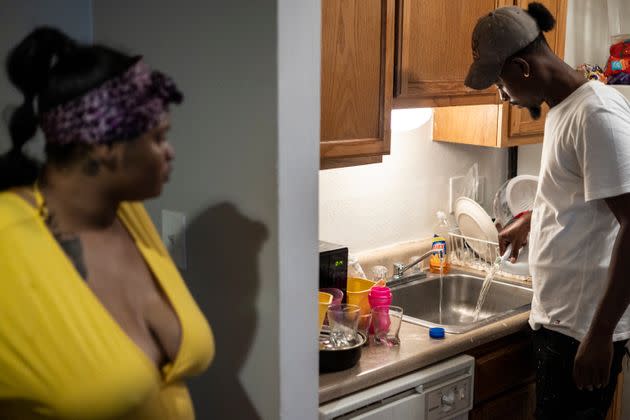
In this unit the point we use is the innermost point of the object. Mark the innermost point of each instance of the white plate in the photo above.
(520, 193)
(474, 222)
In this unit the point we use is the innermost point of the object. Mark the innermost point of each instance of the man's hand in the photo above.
(592, 362)
(516, 234)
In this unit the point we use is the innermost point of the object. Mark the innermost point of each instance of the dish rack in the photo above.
(463, 255)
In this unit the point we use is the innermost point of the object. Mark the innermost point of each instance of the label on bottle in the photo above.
(439, 253)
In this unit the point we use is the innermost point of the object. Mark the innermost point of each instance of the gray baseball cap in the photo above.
(497, 36)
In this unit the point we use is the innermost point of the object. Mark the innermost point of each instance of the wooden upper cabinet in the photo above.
(500, 125)
(357, 65)
(379, 54)
(434, 52)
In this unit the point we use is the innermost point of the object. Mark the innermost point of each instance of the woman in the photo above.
(96, 322)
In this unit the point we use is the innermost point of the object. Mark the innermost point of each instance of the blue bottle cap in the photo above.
(436, 332)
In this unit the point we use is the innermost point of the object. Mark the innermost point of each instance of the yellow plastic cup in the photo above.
(325, 300)
(357, 292)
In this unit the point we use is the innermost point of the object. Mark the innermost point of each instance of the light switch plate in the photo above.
(174, 236)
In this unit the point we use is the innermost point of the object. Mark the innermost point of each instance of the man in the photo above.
(580, 226)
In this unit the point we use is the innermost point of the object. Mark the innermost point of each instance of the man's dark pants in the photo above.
(557, 397)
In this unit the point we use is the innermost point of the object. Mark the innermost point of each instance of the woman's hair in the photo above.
(49, 69)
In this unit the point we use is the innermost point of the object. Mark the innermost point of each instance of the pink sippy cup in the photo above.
(380, 296)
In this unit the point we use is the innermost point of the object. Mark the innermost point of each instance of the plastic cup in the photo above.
(344, 321)
(380, 292)
(357, 293)
(324, 302)
(337, 294)
(379, 296)
(386, 321)
(337, 297)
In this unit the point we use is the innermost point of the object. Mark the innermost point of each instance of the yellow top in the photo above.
(62, 355)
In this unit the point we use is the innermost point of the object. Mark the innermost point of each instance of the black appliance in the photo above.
(333, 266)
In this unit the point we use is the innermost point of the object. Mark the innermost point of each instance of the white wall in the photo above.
(529, 159)
(371, 206)
(246, 140)
(299, 46)
(17, 19)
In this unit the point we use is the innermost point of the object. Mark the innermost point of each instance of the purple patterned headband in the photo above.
(122, 108)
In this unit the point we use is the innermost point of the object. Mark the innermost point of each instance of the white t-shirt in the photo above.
(585, 159)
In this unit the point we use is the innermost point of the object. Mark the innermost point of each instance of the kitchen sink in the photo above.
(453, 306)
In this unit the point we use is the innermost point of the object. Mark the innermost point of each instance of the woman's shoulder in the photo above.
(14, 207)
(139, 223)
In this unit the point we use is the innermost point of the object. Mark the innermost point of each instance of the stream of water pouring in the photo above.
(441, 287)
(488, 281)
(485, 288)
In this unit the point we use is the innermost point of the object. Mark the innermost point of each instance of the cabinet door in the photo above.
(357, 78)
(522, 128)
(521, 404)
(506, 367)
(434, 52)
(518, 404)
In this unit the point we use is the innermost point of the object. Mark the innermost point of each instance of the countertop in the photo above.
(416, 350)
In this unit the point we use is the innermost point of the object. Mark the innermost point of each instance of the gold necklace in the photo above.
(40, 202)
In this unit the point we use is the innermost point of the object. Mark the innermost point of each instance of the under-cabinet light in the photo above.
(410, 119)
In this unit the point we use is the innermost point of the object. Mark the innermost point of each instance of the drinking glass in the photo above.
(344, 321)
(386, 321)
(365, 321)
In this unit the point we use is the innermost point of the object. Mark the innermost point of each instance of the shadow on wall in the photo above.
(223, 277)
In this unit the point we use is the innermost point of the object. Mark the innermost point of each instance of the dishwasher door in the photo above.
(410, 407)
(441, 391)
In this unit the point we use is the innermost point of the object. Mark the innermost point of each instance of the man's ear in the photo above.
(522, 65)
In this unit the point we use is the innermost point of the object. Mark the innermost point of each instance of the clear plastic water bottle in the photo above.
(354, 268)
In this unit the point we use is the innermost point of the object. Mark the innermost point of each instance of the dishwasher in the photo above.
(440, 391)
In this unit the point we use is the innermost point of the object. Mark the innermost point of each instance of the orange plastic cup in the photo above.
(357, 293)
(325, 299)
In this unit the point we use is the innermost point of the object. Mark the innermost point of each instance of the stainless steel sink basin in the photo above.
(452, 308)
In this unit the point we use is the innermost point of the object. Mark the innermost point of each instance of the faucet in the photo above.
(400, 269)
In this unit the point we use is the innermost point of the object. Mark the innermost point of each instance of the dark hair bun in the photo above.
(29, 66)
(29, 63)
(543, 17)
